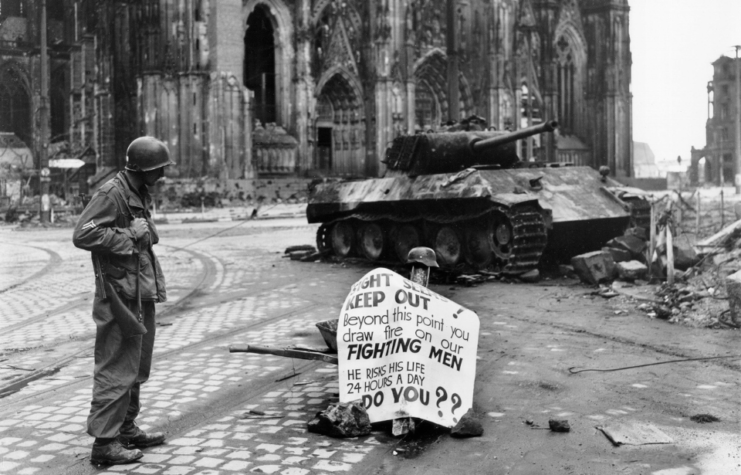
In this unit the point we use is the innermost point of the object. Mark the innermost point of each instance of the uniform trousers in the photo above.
(121, 366)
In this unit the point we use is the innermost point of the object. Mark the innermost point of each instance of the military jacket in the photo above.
(104, 230)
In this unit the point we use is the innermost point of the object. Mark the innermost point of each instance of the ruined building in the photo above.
(258, 92)
(716, 162)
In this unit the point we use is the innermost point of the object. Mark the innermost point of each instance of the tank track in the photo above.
(528, 241)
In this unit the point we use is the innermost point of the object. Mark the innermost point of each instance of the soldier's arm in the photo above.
(96, 231)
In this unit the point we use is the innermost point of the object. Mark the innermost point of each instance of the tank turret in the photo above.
(450, 152)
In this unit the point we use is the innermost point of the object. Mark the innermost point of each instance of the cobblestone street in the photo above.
(221, 292)
(246, 413)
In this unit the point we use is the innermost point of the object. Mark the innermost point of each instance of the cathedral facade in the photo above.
(249, 90)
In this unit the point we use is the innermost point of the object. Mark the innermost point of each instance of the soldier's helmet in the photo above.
(147, 153)
(422, 255)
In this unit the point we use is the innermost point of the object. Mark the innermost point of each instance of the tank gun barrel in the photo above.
(493, 142)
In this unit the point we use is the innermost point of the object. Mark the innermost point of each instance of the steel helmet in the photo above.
(422, 255)
(147, 153)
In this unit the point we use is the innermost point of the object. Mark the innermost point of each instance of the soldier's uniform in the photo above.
(129, 265)
(121, 364)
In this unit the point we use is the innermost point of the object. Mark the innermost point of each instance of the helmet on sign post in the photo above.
(422, 255)
(147, 153)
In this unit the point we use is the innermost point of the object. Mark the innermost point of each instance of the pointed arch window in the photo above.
(566, 75)
(259, 63)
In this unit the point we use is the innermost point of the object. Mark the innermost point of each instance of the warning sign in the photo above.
(406, 351)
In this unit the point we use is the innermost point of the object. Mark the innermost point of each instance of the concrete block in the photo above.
(594, 267)
(634, 245)
(631, 270)
(619, 255)
(733, 288)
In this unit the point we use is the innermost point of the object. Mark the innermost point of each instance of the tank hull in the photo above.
(578, 211)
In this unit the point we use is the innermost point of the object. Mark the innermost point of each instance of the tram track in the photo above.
(159, 356)
(54, 261)
(207, 278)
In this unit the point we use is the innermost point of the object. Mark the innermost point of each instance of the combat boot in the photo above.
(114, 453)
(131, 436)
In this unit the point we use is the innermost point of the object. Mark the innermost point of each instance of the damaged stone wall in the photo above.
(342, 78)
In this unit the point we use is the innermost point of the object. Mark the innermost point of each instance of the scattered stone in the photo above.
(300, 255)
(633, 244)
(342, 420)
(531, 276)
(662, 311)
(566, 271)
(639, 232)
(605, 292)
(684, 254)
(402, 426)
(559, 425)
(704, 418)
(302, 247)
(594, 267)
(470, 280)
(733, 288)
(631, 270)
(468, 426)
(618, 255)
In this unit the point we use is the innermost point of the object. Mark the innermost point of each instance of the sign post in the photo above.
(406, 351)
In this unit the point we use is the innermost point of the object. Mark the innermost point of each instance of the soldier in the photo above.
(116, 227)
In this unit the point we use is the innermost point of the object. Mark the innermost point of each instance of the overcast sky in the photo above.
(673, 43)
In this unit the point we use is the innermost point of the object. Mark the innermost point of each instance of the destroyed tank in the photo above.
(467, 195)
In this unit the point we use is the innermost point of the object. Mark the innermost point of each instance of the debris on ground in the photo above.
(468, 426)
(594, 267)
(733, 289)
(559, 425)
(605, 291)
(402, 426)
(304, 253)
(631, 271)
(530, 276)
(704, 418)
(634, 433)
(342, 420)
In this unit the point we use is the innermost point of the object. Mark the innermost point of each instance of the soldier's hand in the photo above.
(140, 227)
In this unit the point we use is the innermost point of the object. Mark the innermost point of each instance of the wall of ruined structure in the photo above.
(349, 76)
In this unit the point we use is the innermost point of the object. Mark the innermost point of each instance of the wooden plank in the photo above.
(634, 433)
(717, 238)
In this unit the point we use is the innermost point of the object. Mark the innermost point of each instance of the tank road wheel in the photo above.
(446, 243)
(478, 249)
(502, 240)
(371, 240)
(405, 237)
(323, 240)
(342, 238)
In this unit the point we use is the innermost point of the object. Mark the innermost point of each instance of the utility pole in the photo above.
(737, 124)
(44, 178)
